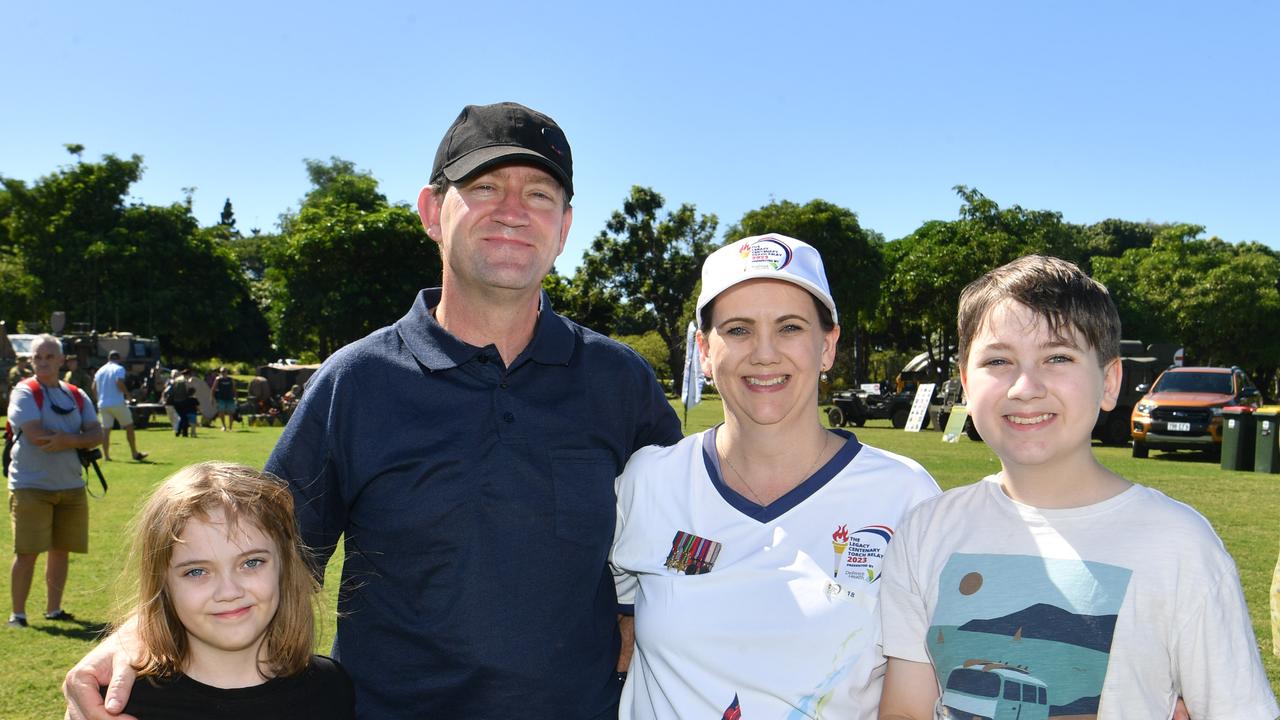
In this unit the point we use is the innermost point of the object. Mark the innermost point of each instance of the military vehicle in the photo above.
(139, 355)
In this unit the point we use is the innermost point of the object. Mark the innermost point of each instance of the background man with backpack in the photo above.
(49, 421)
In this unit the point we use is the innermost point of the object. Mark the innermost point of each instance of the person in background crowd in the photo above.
(48, 505)
(21, 370)
(113, 398)
(77, 375)
(224, 394)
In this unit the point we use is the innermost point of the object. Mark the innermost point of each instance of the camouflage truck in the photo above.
(140, 357)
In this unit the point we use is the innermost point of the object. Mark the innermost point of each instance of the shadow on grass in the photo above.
(75, 629)
(1196, 456)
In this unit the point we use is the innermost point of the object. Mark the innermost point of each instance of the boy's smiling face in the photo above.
(1035, 397)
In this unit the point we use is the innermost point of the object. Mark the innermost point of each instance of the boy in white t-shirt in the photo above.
(1056, 587)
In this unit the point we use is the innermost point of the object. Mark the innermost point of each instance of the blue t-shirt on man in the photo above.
(477, 506)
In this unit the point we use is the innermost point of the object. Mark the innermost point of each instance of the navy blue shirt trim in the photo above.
(797, 495)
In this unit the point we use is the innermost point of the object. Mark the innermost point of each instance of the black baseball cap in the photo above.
(488, 135)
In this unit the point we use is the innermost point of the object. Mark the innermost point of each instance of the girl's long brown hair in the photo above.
(245, 495)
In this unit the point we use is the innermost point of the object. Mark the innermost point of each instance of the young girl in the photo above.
(224, 608)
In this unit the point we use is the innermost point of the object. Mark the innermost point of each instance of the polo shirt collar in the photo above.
(437, 349)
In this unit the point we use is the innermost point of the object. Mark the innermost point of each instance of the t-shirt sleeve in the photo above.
(331, 679)
(625, 582)
(903, 614)
(22, 406)
(1216, 655)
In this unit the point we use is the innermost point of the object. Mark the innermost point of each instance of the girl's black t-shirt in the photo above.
(321, 692)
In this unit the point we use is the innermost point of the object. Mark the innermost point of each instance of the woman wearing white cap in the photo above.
(752, 551)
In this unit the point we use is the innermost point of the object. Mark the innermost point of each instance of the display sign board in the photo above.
(920, 408)
(955, 423)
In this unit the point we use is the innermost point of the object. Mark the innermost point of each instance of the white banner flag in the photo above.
(691, 388)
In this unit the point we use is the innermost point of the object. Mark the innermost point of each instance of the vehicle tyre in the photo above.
(940, 420)
(1115, 430)
(1140, 449)
(835, 417)
(899, 418)
(971, 430)
(860, 420)
(141, 419)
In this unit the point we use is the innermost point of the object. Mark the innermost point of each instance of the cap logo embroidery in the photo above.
(549, 136)
(765, 254)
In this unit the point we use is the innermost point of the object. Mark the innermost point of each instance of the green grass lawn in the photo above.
(1241, 506)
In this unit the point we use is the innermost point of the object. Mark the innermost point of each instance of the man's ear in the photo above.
(429, 211)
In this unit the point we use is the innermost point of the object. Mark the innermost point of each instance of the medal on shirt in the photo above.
(692, 555)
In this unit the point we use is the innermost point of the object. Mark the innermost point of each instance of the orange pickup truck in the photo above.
(1183, 409)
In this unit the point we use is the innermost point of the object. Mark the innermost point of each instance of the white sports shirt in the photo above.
(757, 612)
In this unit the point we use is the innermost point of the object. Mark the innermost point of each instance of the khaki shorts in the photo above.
(49, 520)
(120, 413)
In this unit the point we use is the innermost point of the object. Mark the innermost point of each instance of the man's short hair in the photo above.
(113, 355)
(1056, 290)
(45, 339)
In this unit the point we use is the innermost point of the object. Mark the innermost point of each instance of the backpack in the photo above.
(37, 392)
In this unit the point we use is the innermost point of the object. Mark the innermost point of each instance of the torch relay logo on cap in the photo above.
(764, 253)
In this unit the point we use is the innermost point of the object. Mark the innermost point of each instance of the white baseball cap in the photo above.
(771, 256)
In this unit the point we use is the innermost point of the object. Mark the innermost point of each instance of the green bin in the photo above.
(1266, 458)
(1238, 434)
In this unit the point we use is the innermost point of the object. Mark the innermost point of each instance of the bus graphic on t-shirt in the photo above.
(1024, 636)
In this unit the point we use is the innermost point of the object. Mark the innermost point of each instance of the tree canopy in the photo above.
(75, 244)
(347, 263)
(653, 263)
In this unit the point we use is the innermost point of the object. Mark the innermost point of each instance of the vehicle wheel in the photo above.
(941, 420)
(1140, 449)
(860, 421)
(835, 417)
(971, 430)
(1115, 431)
(900, 418)
(141, 419)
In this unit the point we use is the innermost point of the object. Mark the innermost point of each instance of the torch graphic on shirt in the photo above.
(839, 543)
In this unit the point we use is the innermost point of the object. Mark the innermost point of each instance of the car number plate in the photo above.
(1179, 427)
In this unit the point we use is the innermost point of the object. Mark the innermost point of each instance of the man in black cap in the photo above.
(467, 455)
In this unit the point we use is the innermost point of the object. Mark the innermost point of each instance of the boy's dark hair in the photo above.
(1052, 288)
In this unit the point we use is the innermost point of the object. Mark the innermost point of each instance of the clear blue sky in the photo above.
(1155, 110)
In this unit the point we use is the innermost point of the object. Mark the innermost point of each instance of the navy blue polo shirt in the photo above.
(477, 505)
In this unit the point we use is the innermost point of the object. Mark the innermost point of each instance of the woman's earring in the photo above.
(823, 376)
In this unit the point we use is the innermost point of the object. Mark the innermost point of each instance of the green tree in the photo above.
(1220, 301)
(653, 263)
(148, 269)
(348, 262)
(584, 302)
(853, 257)
(929, 268)
(69, 220)
(227, 218)
(653, 349)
